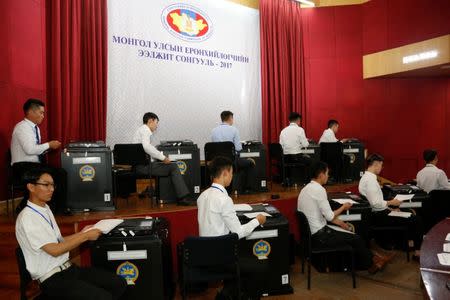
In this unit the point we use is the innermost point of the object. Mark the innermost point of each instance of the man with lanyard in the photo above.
(216, 214)
(46, 251)
(28, 151)
(226, 132)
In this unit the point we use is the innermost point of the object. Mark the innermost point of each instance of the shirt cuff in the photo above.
(255, 223)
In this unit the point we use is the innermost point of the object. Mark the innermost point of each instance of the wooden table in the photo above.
(434, 275)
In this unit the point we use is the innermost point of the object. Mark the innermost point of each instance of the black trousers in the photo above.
(246, 175)
(328, 237)
(161, 169)
(414, 224)
(300, 173)
(59, 177)
(84, 283)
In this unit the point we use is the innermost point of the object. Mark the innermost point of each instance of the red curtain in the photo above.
(282, 65)
(77, 69)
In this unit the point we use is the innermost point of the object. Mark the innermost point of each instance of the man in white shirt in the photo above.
(226, 132)
(431, 177)
(46, 251)
(313, 202)
(162, 166)
(369, 188)
(329, 134)
(28, 151)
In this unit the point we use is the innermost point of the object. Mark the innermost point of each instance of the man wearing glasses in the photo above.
(46, 251)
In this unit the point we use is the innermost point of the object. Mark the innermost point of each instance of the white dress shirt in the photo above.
(33, 231)
(313, 202)
(293, 139)
(24, 146)
(216, 214)
(432, 178)
(142, 136)
(328, 136)
(369, 188)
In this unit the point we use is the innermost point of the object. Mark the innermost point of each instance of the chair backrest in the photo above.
(332, 154)
(210, 251)
(275, 151)
(25, 277)
(130, 154)
(214, 149)
(305, 234)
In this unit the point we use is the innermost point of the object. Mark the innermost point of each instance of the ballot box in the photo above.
(414, 204)
(187, 157)
(354, 149)
(257, 152)
(312, 151)
(139, 251)
(89, 176)
(311, 154)
(266, 250)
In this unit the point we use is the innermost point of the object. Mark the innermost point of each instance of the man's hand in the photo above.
(346, 206)
(394, 202)
(261, 219)
(54, 144)
(86, 228)
(344, 140)
(93, 234)
(345, 226)
(166, 161)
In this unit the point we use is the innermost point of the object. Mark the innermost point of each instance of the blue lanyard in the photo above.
(215, 187)
(48, 221)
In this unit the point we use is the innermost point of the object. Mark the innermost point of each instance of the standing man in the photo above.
(28, 151)
(329, 134)
(431, 177)
(369, 188)
(313, 202)
(46, 251)
(163, 166)
(226, 132)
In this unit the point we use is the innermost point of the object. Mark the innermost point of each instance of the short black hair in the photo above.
(149, 115)
(318, 168)
(225, 115)
(218, 165)
(294, 116)
(373, 158)
(32, 104)
(332, 122)
(429, 155)
(31, 176)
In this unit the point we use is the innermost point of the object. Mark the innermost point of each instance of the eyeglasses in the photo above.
(47, 185)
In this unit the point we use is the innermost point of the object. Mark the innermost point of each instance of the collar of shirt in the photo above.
(37, 207)
(430, 165)
(293, 124)
(30, 123)
(315, 183)
(146, 129)
(220, 187)
(370, 174)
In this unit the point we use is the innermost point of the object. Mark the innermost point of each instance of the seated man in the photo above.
(226, 132)
(28, 150)
(313, 202)
(164, 167)
(293, 139)
(216, 217)
(369, 188)
(431, 177)
(46, 251)
(329, 134)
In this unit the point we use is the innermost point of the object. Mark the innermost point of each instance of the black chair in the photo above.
(15, 185)
(307, 249)
(436, 208)
(338, 162)
(284, 164)
(25, 277)
(134, 155)
(214, 149)
(208, 259)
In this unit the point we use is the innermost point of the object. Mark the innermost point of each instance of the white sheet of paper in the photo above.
(401, 214)
(337, 228)
(403, 197)
(242, 207)
(106, 225)
(345, 200)
(447, 238)
(446, 247)
(444, 258)
(254, 214)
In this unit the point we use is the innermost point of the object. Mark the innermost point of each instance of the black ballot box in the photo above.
(267, 251)
(312, 154)
(256, 151)
(187, 157)
(354, 149)
(89, 176)
(139, 251)
(312, 151)
(414, 204)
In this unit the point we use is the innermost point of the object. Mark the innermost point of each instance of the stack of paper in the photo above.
(447, 238)
(403, 197)
(400, 214)
(242, 207)
(337, 228)
(447, 247)
(254, 214)
(444, 258)
(105, 226)
(345, 200)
